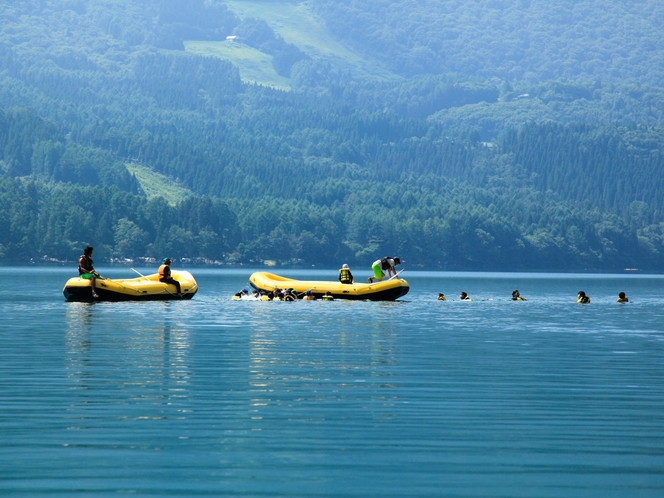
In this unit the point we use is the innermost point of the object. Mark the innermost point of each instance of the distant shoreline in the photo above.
(281, 268)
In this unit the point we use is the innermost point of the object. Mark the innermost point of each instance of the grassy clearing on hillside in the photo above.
(254, 65)
(298, 25)
(157, 185)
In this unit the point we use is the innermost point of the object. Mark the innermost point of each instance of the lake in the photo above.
(412, 398)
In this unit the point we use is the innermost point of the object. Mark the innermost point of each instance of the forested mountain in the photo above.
(519, 40)
(487, 134)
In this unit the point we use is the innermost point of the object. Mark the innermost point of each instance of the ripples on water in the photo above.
(409, 398)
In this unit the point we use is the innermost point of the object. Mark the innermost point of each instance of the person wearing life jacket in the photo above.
(622, 298)
(387, 263)
(441, 297)
(345, 276)
(464, 297)
(243, 294)
(308, 296)
(516, 296)
(290, 295)
(328, 296)
(581, 298)
(87, 271)
(165, 276)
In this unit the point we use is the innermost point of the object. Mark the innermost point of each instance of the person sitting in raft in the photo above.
(387, 263)
(345, 276)
(516, 296)
(464, 297)
(87, 271)
(441, 297)
(308, 296)
(581, 298)
(328, 296)
(622, 298)
(165, 276)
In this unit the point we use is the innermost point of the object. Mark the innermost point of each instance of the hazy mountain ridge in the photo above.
(520, 40)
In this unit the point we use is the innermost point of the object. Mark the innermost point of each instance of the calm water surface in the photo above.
(489, 398)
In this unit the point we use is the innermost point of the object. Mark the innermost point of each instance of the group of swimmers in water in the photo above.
(279, 295)
(292, 295)
(581, 297)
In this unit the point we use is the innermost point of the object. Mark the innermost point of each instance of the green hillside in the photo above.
(254, 65)
(296, 23)
(504, 135)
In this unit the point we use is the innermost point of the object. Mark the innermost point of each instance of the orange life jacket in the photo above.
(164, 272)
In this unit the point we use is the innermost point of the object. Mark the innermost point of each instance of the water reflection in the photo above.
(307, 365)
(130, 360)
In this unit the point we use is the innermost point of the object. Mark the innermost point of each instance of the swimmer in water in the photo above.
(516, 296)
(581, 298)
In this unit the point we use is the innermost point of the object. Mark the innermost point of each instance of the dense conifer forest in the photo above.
(481, 134)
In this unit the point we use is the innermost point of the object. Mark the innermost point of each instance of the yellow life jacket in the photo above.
(345, 276)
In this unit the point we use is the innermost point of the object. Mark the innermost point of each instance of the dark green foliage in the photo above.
(606, 168)
(209, 81)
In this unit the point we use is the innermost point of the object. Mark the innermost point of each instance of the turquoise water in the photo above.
(489, 398)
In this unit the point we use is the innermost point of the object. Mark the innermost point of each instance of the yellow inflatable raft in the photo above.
(387, 290)
(143, 288)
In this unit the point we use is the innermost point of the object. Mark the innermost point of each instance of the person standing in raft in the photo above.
(387, 263)
(86, 270)
(345, 276)
(165, 276)
(581, 298)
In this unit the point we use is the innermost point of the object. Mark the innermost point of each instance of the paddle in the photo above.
(396, 274)
(138, 273)
(145, 292)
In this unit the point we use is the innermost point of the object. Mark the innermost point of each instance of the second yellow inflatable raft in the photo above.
(387, 290)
